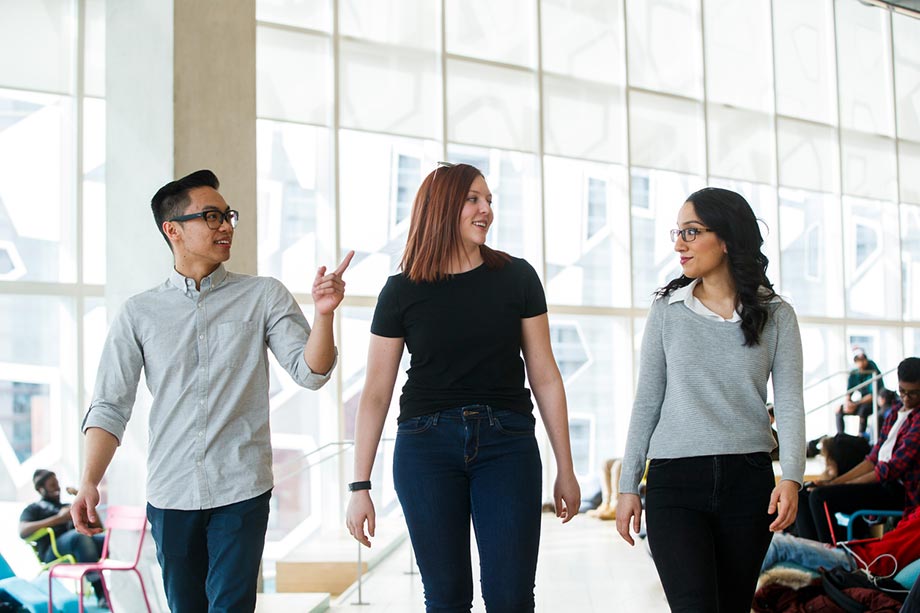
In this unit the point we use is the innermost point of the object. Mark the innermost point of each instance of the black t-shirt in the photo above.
(43, 509)
(463, 335)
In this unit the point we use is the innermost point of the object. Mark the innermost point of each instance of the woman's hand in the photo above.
(566, 490)
(360, 510)
(784, 501)
(629, 507)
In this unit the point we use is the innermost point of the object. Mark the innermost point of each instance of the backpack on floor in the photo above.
(888, 594)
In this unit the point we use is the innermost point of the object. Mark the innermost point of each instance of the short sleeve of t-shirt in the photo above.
(534, 298)
(387, 318)
(33, 512)
(463, 334)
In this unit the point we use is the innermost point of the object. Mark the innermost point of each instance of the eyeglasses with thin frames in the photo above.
(912, 394)
(214, 219)
(688, 234)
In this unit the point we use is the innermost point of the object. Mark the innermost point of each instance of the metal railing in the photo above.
(292, 468)
(870, 383)
(825, 378)
(281, 475)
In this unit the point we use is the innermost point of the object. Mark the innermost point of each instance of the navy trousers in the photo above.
(210, 558)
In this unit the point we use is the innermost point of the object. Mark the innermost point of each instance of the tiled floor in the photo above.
(584, 566)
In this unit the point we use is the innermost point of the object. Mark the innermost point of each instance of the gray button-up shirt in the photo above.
(205, 362)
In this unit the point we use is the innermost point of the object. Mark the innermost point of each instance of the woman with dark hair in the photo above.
(465, 444)
(713, 338)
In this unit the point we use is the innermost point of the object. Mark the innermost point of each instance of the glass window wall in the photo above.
(591, 122)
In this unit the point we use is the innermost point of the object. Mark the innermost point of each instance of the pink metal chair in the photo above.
(126, 519)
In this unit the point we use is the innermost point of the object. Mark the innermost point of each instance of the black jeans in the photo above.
(811, 521)
(708, 529)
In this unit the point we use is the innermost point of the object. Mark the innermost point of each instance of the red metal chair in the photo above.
(126, 519)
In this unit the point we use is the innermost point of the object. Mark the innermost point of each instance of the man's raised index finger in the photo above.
(345, 263)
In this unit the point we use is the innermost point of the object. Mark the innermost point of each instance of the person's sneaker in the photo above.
(101, 602)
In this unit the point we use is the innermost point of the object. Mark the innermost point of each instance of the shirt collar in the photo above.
(685, 294)
(186, 284)
(681, 293)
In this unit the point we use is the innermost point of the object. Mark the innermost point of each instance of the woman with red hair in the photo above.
(465, 445)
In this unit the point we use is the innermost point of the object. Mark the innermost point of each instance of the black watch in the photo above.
(359, 485)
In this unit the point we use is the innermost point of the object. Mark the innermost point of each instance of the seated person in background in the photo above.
(841, 453)
(882, 557)
(610, 479)
(50, 512)
(860, 401)
(888, 478)
(888, 401)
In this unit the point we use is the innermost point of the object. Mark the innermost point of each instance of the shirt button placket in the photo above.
(202, 416)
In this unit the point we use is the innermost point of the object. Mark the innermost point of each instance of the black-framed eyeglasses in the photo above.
(214, 219)
(912, 394)
(688, 234)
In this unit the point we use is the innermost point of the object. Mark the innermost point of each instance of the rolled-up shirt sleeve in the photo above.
(116, 380)
(286, 332)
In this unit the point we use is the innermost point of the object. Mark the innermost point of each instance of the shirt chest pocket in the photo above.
(239, 344)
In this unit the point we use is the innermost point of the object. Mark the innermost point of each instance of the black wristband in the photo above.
(359, 485)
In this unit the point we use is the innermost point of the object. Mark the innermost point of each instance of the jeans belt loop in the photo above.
(434, 420)
(489, 413)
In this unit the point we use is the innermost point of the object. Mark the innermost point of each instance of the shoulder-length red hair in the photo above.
(434, 230)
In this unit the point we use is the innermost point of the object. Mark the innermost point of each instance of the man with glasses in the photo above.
(201, 339)
(888, 478)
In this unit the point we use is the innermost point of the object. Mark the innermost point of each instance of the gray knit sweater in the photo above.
(702, 392)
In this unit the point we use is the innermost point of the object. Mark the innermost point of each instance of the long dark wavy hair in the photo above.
(733, 220)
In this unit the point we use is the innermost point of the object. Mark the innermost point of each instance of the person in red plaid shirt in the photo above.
(889, 477)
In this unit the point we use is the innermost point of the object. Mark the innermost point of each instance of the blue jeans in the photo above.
(84, 548)
(210, 558)
(804, 552)
(479, 462)
(708, 528)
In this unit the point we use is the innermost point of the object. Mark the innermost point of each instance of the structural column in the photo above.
(180, 96)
